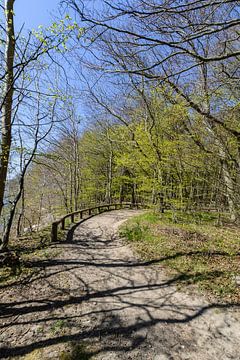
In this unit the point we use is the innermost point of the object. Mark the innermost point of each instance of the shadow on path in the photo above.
(101, 293)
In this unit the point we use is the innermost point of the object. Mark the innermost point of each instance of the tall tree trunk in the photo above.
(7, 98)
(71, 187)
(229, 183)
(134, 199)
(229, 191)
(76, 172)
(108, 196)
(5, 240)
(121, 193)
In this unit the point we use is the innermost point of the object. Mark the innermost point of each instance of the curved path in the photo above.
(94, 288)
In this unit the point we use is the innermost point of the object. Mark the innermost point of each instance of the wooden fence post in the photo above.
(72, 218)
(54, 232)
(63, 224)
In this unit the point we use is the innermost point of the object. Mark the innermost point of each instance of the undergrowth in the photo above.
(33, 245)
(205, 255)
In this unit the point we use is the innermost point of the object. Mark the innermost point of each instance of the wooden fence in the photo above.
(89, 212)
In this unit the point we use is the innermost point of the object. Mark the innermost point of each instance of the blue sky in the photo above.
(34, 12)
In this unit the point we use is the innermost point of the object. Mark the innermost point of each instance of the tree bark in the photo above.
(108, 196)
(5, 240)
(229, 191)
(7, 98)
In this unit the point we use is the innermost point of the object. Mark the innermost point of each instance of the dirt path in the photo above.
(95, 289)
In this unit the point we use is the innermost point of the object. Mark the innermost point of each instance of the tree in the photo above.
(188, 49)
(29, 56)
(25, 163)
(7, 97)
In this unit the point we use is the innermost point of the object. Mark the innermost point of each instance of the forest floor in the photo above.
(92, 297)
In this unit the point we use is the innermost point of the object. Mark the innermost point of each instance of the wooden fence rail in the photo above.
(89, 212)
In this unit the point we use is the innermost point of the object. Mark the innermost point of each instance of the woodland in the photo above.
(123, 101)
(133, 106)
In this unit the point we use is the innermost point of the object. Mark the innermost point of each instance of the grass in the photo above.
(34, 245)
(73, 351)
(78, 351)
(58, 327)
(206, 256)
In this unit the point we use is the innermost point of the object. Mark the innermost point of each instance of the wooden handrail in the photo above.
(54, 233)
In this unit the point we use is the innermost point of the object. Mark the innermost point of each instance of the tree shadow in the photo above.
(111, 327)
(109, 323)
(117, 308)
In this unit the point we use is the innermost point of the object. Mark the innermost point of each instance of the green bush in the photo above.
(136, 232)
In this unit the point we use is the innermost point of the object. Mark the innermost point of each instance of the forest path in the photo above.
(96, 289)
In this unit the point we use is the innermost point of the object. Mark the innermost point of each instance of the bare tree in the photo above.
(189, 48)
(21, 64)
(6, 106)
(39, 136)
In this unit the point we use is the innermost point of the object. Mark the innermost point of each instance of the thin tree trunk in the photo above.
(108, 197)
(71, 187)
(134, 195)
(6, 234)
(19, 223)
(76, 172)
(229, 191)
(7, 98)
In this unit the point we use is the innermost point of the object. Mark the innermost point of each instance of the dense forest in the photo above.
(126, 101)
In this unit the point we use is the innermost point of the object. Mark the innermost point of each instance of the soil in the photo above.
(94, 290)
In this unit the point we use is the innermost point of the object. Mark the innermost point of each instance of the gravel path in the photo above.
(95, 289)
